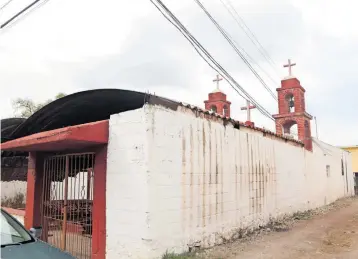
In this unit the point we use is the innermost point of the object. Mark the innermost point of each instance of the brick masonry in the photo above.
(218, 100)
(285, 119)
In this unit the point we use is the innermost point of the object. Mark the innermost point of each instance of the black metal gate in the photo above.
(67, 203)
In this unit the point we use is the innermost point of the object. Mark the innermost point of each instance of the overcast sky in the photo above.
(74, 45)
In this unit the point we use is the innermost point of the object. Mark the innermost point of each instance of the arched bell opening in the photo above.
(290, 129)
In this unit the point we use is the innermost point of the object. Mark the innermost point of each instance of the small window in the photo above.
(342, 167)
(328, 170)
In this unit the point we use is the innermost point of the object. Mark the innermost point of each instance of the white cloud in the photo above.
(67, 45)
(330, 17)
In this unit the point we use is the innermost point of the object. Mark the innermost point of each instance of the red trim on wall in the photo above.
(99, 205)
(78, 136)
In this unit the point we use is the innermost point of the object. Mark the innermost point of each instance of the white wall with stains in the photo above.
(11, 189)
(176, 179)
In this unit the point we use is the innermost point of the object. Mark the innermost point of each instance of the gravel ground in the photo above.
(326, 233)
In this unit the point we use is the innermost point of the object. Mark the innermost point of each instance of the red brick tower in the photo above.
(217, 101)
(292, 109)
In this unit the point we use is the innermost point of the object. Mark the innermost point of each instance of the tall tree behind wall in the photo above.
(25, 107)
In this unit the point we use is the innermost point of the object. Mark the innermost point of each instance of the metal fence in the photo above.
(67, 203)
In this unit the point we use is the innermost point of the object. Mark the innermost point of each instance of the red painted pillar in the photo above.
(99, 205)
(34, 190)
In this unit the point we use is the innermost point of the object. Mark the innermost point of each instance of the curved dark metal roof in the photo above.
(8, 126)
(78, 108)
(12, 167)
(82, 107)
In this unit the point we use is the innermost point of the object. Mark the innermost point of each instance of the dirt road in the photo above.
(329, 233)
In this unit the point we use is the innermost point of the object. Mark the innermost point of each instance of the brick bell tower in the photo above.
(217, 100)
(292, 109)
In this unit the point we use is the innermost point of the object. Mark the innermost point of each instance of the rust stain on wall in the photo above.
(241, 174)
(274, 175)
(210, 172)
(183, 175)
(191, 176)
(257, 196)
(261, 200)
(236, 177)
(216, 177)
(252, 178)
(241, 186)
(257, 176)
(263, 187)
(204, 179)
(222, 173)
(199, 157)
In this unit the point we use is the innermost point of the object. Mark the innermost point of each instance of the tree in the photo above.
(25, 107)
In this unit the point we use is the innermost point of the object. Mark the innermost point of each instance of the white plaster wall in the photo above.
(10, 189)
(127, 208)
(175, 180)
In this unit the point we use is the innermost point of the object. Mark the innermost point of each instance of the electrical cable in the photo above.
(228, 38)
(4, 5)
(18, 15)
(241, 55)
(168, 15)
(198, 47)
(248, 31)
(251, 59)
(190, 37)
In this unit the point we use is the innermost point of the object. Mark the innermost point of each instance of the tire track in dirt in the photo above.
(328, 234)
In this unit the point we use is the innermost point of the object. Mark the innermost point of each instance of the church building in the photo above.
(114, 173)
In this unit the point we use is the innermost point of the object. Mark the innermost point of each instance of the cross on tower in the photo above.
(248, 108)
(217, 80)
(289, 65)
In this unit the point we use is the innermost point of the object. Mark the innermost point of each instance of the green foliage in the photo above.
(25, 107)
(188, 255)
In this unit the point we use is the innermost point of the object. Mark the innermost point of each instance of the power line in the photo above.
(249, 33)
(251, 59)
(4, 5)
(190, 37)
(197, 49)
(20, 13)
(228, 38)
(206, 56)
(163, 9)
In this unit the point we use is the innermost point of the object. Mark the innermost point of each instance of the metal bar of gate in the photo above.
(67, 205)
(63, 245)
